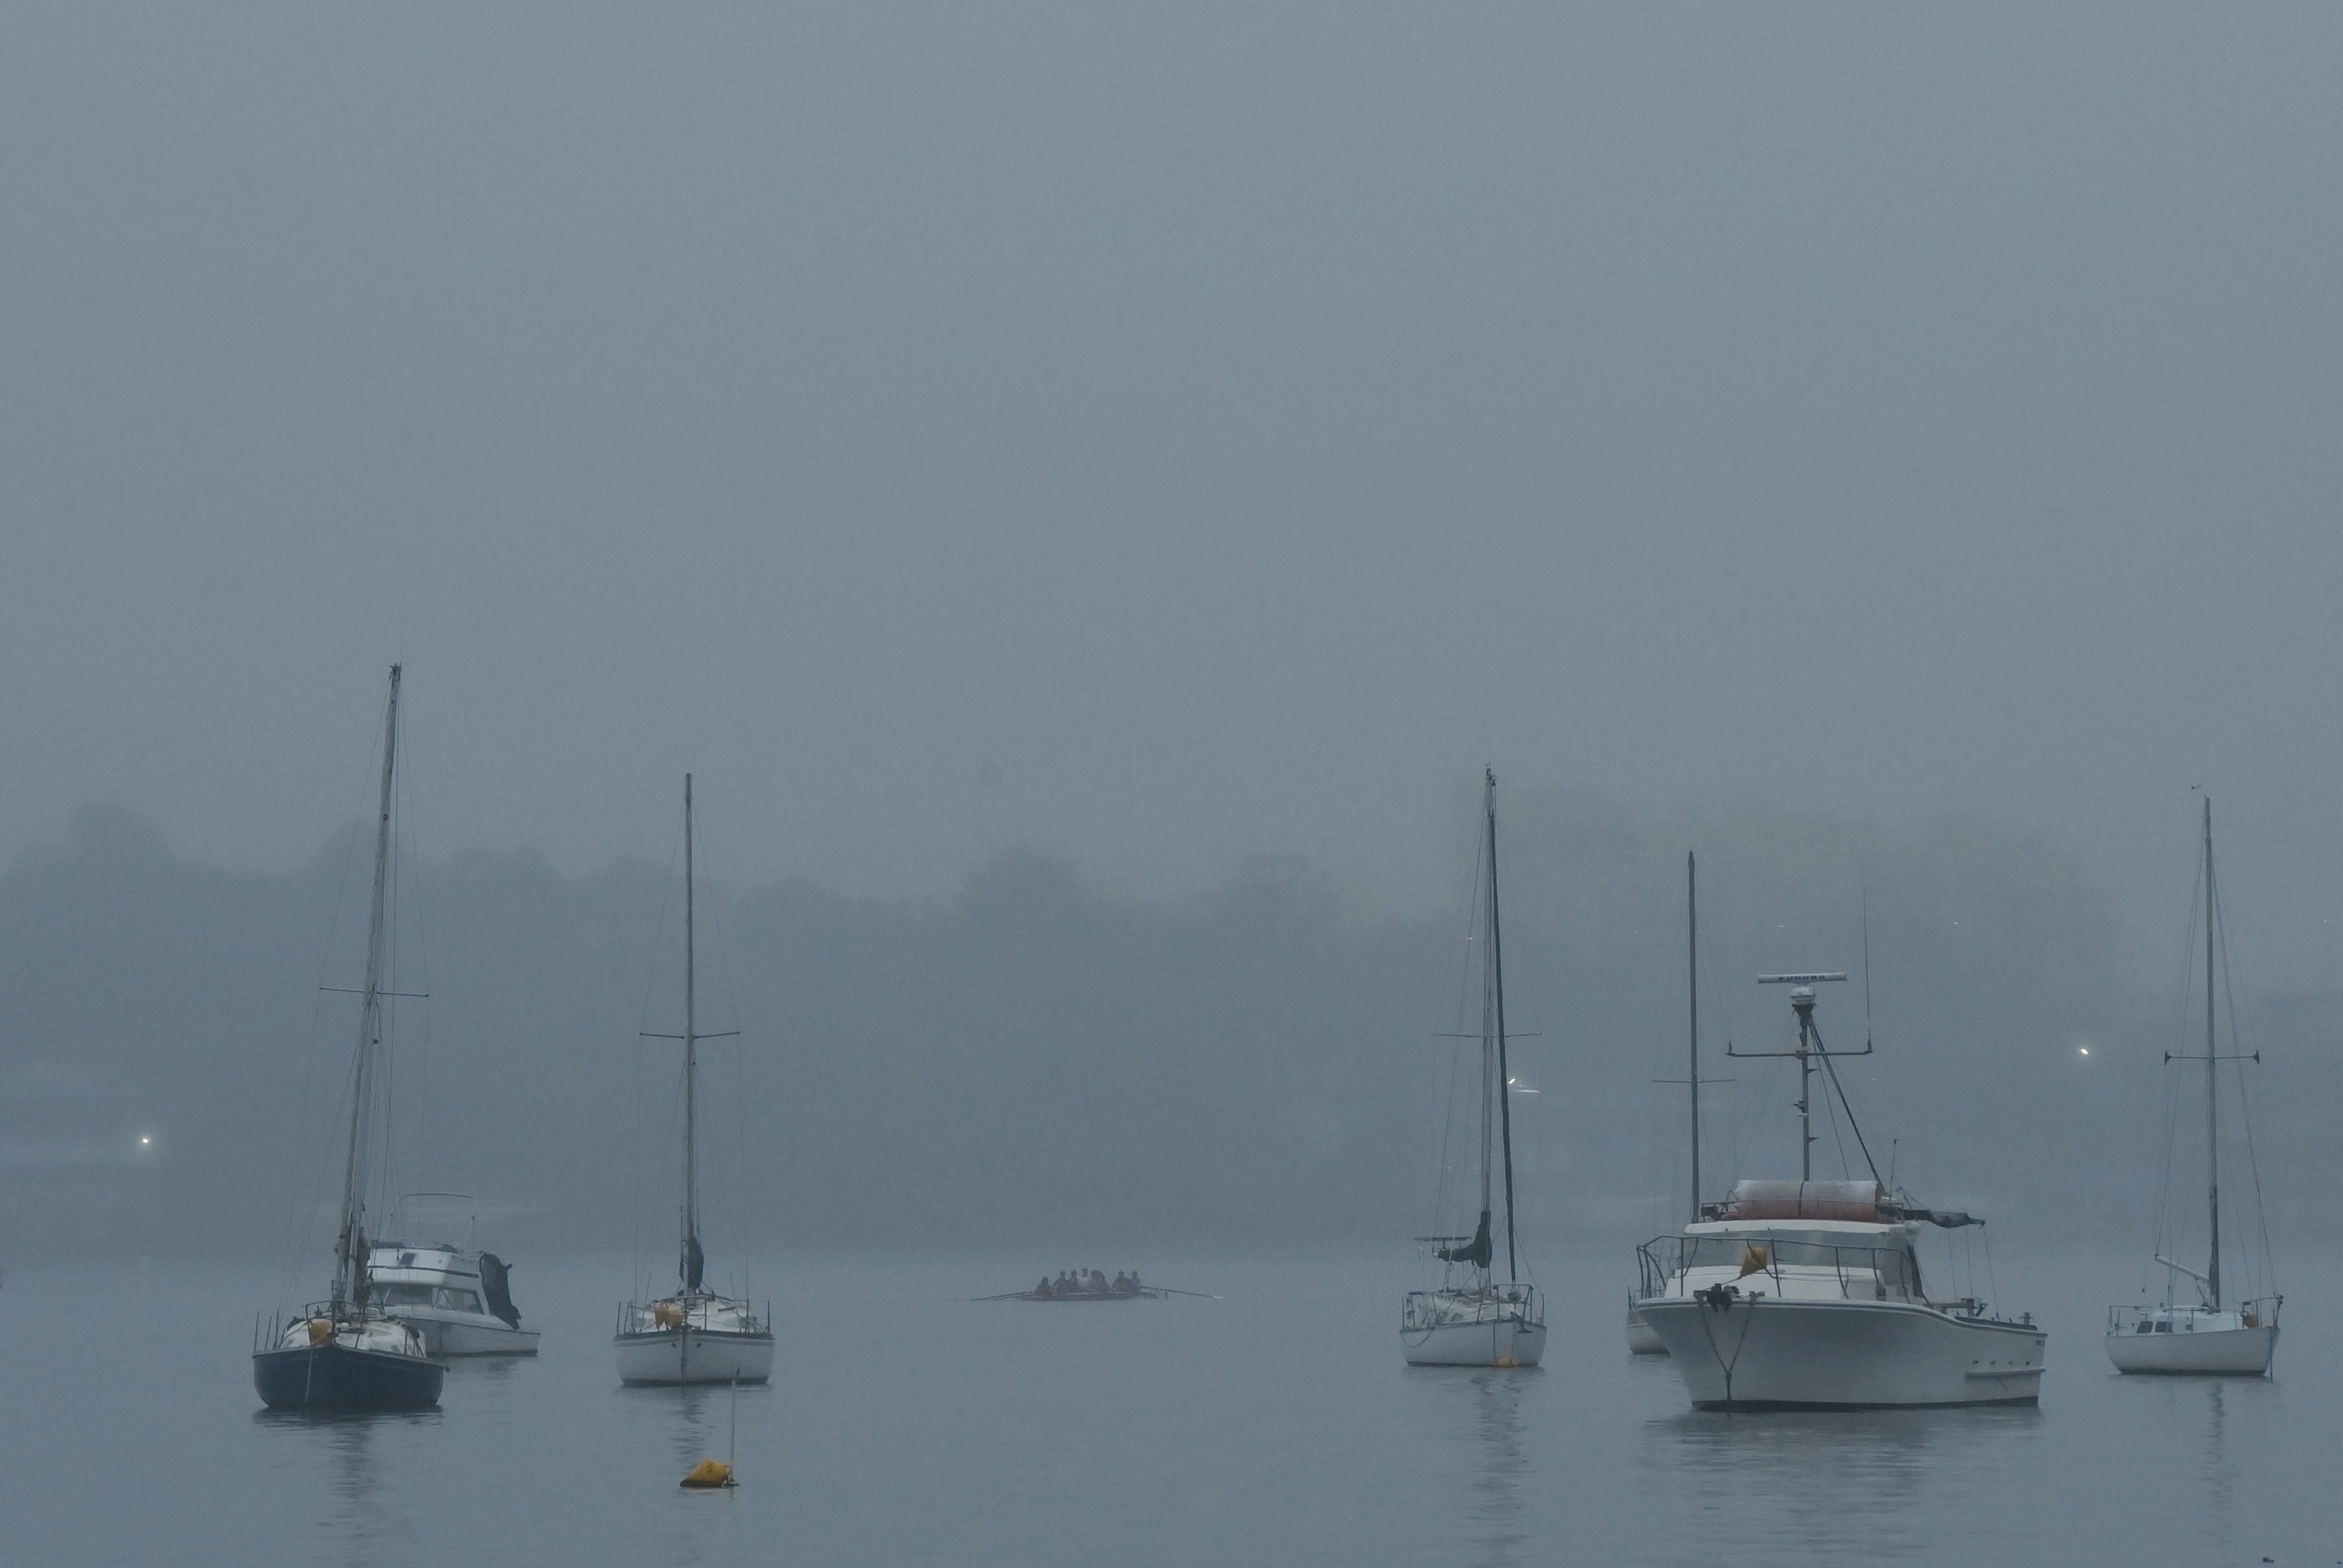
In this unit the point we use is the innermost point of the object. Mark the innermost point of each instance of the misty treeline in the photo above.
(1040, 1065)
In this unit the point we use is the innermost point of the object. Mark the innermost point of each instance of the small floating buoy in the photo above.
(710, 1472)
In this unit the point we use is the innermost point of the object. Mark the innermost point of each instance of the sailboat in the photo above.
(1475, 1318)
(2203, 1336)
(345, 1353)
(692, 1335)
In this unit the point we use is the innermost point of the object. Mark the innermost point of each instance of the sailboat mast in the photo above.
(1497, 990)
(690, 1064)
(2212, 1082)
(349, 1245)
(1692, 992)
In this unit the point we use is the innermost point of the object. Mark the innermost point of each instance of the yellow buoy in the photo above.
(710, 1472)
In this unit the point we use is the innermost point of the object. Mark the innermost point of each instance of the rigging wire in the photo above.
(1466, 951)
(641, 1051)
(2167, 1223)
(295, 1237)
(738, 1063)
(2269, 1263)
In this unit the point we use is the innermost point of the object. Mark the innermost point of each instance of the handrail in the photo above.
(1769, 1255)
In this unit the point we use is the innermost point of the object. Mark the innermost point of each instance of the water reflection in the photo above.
(1491, 1425)
(1822, 1481)
(357, 1512)
(688, 1424)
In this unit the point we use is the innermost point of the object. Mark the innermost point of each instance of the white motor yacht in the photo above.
(2203, 1337)
(1766, 1309)
(457, 1298)
(1474, 1318)
(1809, 1294)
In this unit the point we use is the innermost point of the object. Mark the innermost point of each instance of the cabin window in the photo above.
(455, 1300)
(2164, 1328)
(406, 1295)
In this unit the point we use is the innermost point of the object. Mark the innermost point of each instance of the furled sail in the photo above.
(1476, 1253)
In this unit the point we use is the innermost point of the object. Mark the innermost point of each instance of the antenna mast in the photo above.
(1808, 1049)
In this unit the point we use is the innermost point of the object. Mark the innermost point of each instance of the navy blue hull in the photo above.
(336, 1377)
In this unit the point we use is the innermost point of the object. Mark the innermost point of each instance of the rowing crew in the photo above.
(1086, 1282)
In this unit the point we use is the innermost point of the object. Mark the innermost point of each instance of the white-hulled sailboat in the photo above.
(1474, 1318)
(2203, 1336)
(693, 1335)
(345, 1352)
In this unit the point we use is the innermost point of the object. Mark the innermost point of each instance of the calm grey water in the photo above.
(1276, 1425)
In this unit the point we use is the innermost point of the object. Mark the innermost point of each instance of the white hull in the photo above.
(1507, 1342)
(1641, 1340)
(1820, 1353)
(446, 1333)
(2234, 1352)
(694, 1356)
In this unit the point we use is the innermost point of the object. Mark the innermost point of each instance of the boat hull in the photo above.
(677, 1356)
(2225, 1352)
(1641, 1340)
(330, 1377)
(1504, 1342)
(1837, 1355)
(454, 1334)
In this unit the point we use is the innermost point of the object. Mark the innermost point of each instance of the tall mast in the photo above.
(1497, 991)
(2212, 1082)
(690, 1262)
(349, 1244)
(1692, 992)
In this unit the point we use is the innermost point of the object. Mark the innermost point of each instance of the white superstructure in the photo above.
(1785, 1313)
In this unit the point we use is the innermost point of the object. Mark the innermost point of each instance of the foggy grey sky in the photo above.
(1165, 437)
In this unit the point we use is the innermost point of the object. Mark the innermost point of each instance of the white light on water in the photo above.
(2084, 1049)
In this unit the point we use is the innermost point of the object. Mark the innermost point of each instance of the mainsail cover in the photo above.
(695, 1262)
(1476, 1253)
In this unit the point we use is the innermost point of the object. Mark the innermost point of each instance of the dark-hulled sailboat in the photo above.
(344, 1353)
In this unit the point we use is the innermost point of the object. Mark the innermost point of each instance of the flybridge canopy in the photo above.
(1861, 1202)
(1803, 1200)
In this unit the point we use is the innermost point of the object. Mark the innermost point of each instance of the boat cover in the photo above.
(1857, 1201)
(1477, 1252)
(495, 1282)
